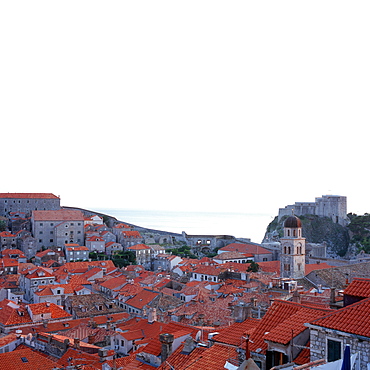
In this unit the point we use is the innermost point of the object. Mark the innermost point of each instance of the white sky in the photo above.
(195, 105)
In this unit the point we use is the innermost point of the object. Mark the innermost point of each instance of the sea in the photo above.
(240, 225)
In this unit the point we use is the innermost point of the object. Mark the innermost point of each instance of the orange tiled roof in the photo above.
(279, 313)
(142, 299)
(58, 215)
(28, 196)
(45, 307)
(245, 248)
(131, 234)
(6, 234)
(352, 319)
(25, 359)
(208, 270)
(6, 252)
(77, 248)
(294, 325)
(7, 339)
(179, 360)
(303, 356)
(316, 266)
(233, 334)
(270, 266)
(114, 283)
(214, 357)
(138, 247)
(76, 357)
(8, 262)
(359, 287)
(13, 314)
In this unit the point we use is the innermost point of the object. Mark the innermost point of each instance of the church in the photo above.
(293, 249)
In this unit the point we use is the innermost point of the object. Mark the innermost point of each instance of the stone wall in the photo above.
(320, 336)
(332, 206)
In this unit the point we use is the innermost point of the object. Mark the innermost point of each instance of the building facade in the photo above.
(57, 228)
(27, 202)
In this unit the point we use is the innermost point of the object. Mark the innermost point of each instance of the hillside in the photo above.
(316, 230)
(342, 241)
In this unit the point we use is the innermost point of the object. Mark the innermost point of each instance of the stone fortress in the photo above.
(332, 206)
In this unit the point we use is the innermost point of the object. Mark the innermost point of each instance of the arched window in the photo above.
(284, 250)
(294, 232)
(288, 232)
(289, 250)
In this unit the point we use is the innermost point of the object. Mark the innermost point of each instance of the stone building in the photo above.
(57, 228)
(332, 206)
(27, 202)
(292, 259)
(348, 326)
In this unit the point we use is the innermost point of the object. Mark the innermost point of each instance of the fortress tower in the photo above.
(332, 206)
(292, 259)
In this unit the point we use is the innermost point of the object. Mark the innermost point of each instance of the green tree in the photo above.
(253, 267)
(2, 225)
(124, 258)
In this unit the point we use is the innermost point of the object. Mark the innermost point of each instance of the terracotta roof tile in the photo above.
(142, 299)
(359, 287)
(138, 247)
(233, 334)
(58, 215)
(276, 315)
(294, 325)
(316, 266)
(25, 359)
(354, 319)
(131, 234)
(28, 196)
(245, 248)
(45, 307)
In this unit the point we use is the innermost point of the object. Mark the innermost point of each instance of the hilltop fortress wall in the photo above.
(333, 206)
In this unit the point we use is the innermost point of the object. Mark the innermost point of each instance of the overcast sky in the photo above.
(186, 105)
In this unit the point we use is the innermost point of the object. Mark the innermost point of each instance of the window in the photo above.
(51, 224)
(40, 232)
(51, 240)
(41, 224)
(51, 232)
(286, 267)
(334, 351)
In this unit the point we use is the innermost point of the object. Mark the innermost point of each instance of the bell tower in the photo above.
(292, 258)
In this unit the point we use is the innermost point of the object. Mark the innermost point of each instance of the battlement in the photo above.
(333, 206)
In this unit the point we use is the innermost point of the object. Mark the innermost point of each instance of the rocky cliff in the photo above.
(316, 230)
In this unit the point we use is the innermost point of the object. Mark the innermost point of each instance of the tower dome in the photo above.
(292, 222)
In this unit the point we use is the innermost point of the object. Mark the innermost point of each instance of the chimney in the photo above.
(254, 302)
(152, 315)
(189, 345)
(247, 351)
(242, 311)
(296, 297)
(332, 295)
(166, 340)
(77, 343)
(103, 353)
